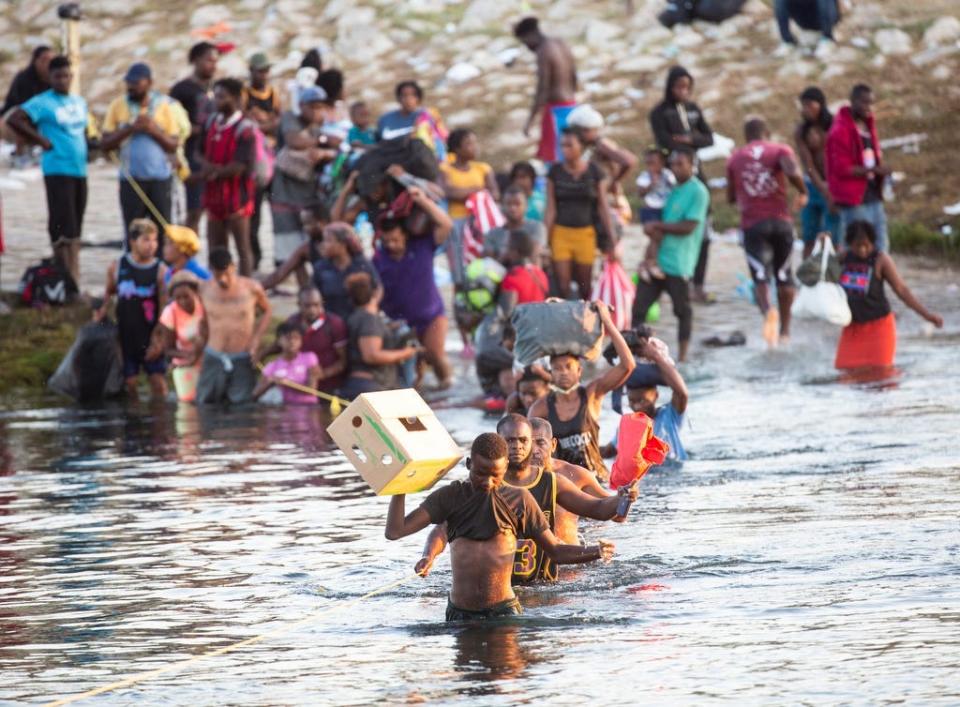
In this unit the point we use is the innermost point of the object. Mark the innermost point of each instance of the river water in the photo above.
(808, 552)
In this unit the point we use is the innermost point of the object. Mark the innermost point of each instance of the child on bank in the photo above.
(294, 365)
(136, 279)
(179, 248)
(362, 134)
(654, 184)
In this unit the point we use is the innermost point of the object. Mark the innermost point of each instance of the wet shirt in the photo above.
(185, 326)
(530, 563)
(760, 183)
(576, 197)
(363, 324)
(478, 515)
(296, 370)
(332, 283)
(325, 337)
(62, 119)
(865, 292)
(138, 304)
(578, 439)
(409, 289)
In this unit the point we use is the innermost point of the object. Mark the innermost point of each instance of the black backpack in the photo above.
(686, 11)
(46, 284)
(409, 152)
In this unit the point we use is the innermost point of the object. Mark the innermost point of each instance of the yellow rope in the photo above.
(141, 677)
(144, 198)
(335, 402)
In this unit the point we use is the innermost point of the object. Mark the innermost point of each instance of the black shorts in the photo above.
(66, 203)
(510, 607)
(769, 243)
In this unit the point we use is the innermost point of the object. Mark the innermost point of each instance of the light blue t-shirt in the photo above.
(687, 202)
(141, 154)
(61, 119)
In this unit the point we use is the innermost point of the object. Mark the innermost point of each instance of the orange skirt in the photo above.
(868, 344)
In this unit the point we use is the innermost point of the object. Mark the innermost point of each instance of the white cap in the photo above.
(586, 117)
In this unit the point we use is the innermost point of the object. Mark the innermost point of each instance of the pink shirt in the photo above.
(760, 183)
(185, 326)
(298, 371)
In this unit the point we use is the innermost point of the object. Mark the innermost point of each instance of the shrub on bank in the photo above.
(917, 239)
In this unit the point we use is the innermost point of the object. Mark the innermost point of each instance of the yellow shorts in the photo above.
(576, 244)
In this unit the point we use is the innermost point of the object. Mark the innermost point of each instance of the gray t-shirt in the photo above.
(496, 240)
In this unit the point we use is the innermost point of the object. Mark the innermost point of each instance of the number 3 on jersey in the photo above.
(525, 559)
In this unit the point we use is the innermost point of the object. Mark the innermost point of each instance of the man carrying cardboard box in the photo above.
(484, 518)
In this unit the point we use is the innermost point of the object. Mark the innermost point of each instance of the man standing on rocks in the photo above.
(556, 86)
(855, 172)
(60, 124)
(195, 94)
(231, 302)
(143, 125)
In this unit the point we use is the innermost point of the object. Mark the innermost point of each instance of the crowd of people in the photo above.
(361, 209)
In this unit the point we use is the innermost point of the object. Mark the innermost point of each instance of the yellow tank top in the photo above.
(474, 177)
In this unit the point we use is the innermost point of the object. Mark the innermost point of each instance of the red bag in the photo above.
(637, 450)
(615, 289)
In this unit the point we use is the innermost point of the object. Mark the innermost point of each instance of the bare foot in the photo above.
(771, 328)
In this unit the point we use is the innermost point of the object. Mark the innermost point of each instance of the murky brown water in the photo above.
(808, 553)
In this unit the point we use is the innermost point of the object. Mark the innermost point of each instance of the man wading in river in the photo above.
(553, 493)
(573, 410)
(231, 301)
(484, 518)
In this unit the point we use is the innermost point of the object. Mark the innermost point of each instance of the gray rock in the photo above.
(482, 13)
(599, 33)
(206, 15)
(641, 63)
(893, 42)
(944, 31)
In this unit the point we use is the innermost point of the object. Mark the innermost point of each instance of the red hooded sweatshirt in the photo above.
(844, 151)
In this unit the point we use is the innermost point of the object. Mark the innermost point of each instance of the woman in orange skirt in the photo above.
(870, 340)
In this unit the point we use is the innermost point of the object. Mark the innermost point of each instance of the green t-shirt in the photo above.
(687, 202)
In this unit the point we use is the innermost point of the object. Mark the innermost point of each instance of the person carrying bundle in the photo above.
(573, 409)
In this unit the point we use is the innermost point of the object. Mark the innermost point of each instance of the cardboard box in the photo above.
(395, 441)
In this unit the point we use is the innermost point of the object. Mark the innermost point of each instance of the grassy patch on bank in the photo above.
(33, 342)
(917, 239)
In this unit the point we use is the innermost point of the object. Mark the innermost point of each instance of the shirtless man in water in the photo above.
(553, 493)
(484, 517)
(231, 302)
(556, 85)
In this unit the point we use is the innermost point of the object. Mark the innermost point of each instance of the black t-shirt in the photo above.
(576, 197)
(477, 515)
(363, 323)
(197, 101)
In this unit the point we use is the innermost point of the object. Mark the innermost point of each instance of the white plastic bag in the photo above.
(824, 300)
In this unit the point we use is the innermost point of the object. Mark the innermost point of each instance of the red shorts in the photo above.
(223, 198)
(553, 120)
(868, 344)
